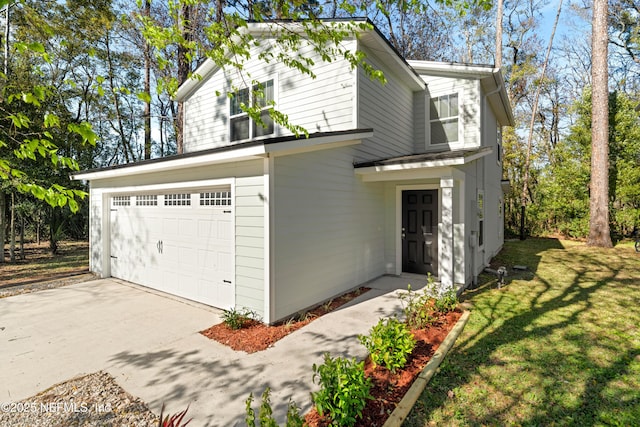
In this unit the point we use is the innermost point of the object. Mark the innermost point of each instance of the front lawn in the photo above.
(558, 345)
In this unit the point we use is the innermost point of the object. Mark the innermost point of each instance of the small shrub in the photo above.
(344, 389)
(265, 413)
(416, 308)
(237, 318)
(294, 419)
(448, 301)
(389, 343)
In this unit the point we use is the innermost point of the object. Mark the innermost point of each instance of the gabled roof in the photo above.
(490, 78)
(371, 39)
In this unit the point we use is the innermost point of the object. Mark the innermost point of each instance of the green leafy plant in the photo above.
(389, 343)
(416, 307)
(294, 419)
(237, 318)
(265, 413)
(344, 389)
(448, 301)
(175, 420)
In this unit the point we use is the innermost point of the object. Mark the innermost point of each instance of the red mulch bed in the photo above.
(256, 336)
(389, 388)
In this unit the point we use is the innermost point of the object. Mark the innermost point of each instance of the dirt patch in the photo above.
(39, 264)
(256, 336)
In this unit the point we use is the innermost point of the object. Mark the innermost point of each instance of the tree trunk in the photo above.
(184, 67)
(12, 231)
(147, 88)
(499, 13)
(599, 233)
(22, 237)
(3, 224)
(7, 32)
(54, 231)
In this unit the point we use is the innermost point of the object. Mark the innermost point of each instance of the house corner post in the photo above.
(446, 233)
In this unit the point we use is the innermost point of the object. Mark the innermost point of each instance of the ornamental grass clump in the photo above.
(344, 390)
(389, 343)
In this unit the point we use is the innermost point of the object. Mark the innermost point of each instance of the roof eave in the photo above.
(253, 150)
(392, 165)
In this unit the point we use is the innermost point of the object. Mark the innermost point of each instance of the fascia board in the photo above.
(428, 164)
(446, 69)
(198, 77)
(314, 144)
(376, 42)
(240, 154)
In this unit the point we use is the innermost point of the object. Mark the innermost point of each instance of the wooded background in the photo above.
(87, 84)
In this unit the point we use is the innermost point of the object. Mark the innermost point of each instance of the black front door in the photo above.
(420, 231)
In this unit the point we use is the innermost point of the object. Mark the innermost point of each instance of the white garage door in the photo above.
(178, 242)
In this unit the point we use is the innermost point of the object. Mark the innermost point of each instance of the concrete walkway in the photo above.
(150, 343)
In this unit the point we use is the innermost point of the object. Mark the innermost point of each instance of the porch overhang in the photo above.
(416, 166)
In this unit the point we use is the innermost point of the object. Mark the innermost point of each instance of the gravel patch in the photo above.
(92, 400)
(11, 290)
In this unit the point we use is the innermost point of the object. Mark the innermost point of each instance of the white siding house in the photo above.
(397, 178)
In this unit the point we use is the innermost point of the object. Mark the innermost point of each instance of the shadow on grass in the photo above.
(527, 357)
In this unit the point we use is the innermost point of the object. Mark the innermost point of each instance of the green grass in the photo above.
(559, 345)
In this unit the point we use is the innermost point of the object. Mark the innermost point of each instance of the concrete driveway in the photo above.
(150, 343)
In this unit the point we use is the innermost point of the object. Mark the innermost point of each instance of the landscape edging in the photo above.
(406, 404)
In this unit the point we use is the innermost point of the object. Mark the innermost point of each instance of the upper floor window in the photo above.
(244, 127)
(444, 119)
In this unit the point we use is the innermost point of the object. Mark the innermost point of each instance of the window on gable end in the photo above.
(444, 119)
(241, 125)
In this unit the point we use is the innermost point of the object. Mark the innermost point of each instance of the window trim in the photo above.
(432, 100)
(242, 114)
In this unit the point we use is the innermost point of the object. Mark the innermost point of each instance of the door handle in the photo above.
(160, 246)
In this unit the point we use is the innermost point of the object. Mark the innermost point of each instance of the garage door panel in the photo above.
(176, 247)
(187, 228)
(225, 230)
(216, 290)
(207, 228)
(208, 259)
(188, 257)
(225, 261)
(170, 227)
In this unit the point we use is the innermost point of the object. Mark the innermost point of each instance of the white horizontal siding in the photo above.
(96, 232)
(388, 109)
(320, 104)
(250, 243)
(421, 121)
(469, 106)
(328, 229)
